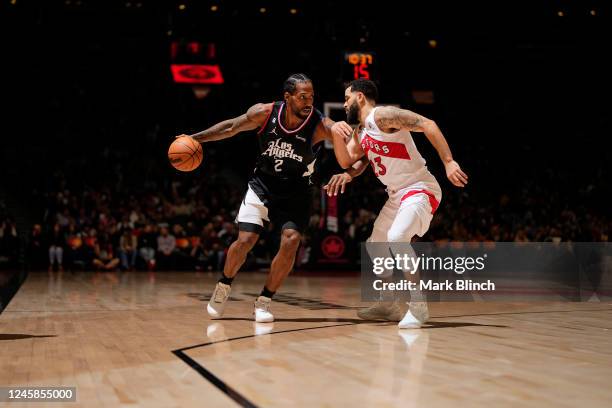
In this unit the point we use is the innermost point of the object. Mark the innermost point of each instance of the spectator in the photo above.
(203, 257)
(148, 245)
(9, 242)
(166, 245)
(76, 255)
(36, 251)
(127, 249)
(104, 257)
(57, 242)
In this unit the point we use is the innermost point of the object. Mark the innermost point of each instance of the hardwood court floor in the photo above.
(139, 339)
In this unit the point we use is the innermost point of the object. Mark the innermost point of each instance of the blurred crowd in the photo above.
(192, 226)
(9, 239)
(172, 221)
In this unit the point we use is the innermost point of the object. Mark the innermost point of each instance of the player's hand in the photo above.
(337, 182)
(183, 135)
(342, 129)
(455, 174)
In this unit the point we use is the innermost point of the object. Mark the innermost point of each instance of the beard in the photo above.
(301, 114)
(352, 115)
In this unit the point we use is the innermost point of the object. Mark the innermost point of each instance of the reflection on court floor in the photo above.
(144, 339)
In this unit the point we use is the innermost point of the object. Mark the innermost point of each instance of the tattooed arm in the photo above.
(390, 119)
(252, 119)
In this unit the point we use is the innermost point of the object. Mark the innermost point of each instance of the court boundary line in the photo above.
(244, 402)
(220, 384)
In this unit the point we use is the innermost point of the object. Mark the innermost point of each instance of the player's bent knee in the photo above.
(247, 239)
(291, 239)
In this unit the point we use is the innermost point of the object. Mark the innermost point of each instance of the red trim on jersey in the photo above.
(388, 149)
(280, 122)
(266, 122)
(432, 198)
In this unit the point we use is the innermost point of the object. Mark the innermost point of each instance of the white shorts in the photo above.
(407, 212)
(252, 210)
(288, 211)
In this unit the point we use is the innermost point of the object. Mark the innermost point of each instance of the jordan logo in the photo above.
(274, 131)
(303, 139)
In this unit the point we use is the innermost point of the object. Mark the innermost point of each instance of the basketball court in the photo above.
(144, 339)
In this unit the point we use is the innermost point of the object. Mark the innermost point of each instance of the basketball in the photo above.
(185, 154)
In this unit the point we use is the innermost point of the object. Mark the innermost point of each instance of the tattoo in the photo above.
(391, 117)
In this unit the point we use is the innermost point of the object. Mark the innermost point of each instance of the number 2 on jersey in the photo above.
(277, 166)
(379, 168)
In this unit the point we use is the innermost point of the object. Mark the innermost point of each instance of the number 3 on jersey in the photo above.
(378, 167)
(277, 166)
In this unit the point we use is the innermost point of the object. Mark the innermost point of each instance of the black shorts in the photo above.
(284, 203)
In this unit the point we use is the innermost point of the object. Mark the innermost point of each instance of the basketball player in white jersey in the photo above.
(384, 138)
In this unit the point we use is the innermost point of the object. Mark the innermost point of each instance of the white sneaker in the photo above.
(216, 304)
(262, 310)
(417, 314)
(381, 311)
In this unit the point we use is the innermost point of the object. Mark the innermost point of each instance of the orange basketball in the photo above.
(185, 154)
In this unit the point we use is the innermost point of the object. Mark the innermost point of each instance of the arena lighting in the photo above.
(197, 74)
(182, 7)
(293, 11)
(593, 12)
(262, 10)
(214, 8)
(560, 13)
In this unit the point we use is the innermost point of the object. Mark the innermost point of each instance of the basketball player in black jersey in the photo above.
(289, 132)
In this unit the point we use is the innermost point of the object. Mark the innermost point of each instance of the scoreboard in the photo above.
(359, 64)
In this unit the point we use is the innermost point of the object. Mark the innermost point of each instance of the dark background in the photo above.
(521, 92)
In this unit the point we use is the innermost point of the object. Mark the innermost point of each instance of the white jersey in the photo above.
(393, 156)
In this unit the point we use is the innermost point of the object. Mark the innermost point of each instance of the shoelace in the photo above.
(262, 305)
(220, 294)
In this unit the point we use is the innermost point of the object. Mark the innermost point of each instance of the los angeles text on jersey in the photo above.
(281, 150)
(459, 285)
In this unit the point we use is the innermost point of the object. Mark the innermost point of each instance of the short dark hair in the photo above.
(291, 82)
(365, 86)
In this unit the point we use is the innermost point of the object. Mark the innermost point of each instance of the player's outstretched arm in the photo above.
(346, 153)
(390, 119)
(338, 182)
(252, 119)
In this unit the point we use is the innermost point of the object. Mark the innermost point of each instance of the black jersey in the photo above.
(286, 154)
